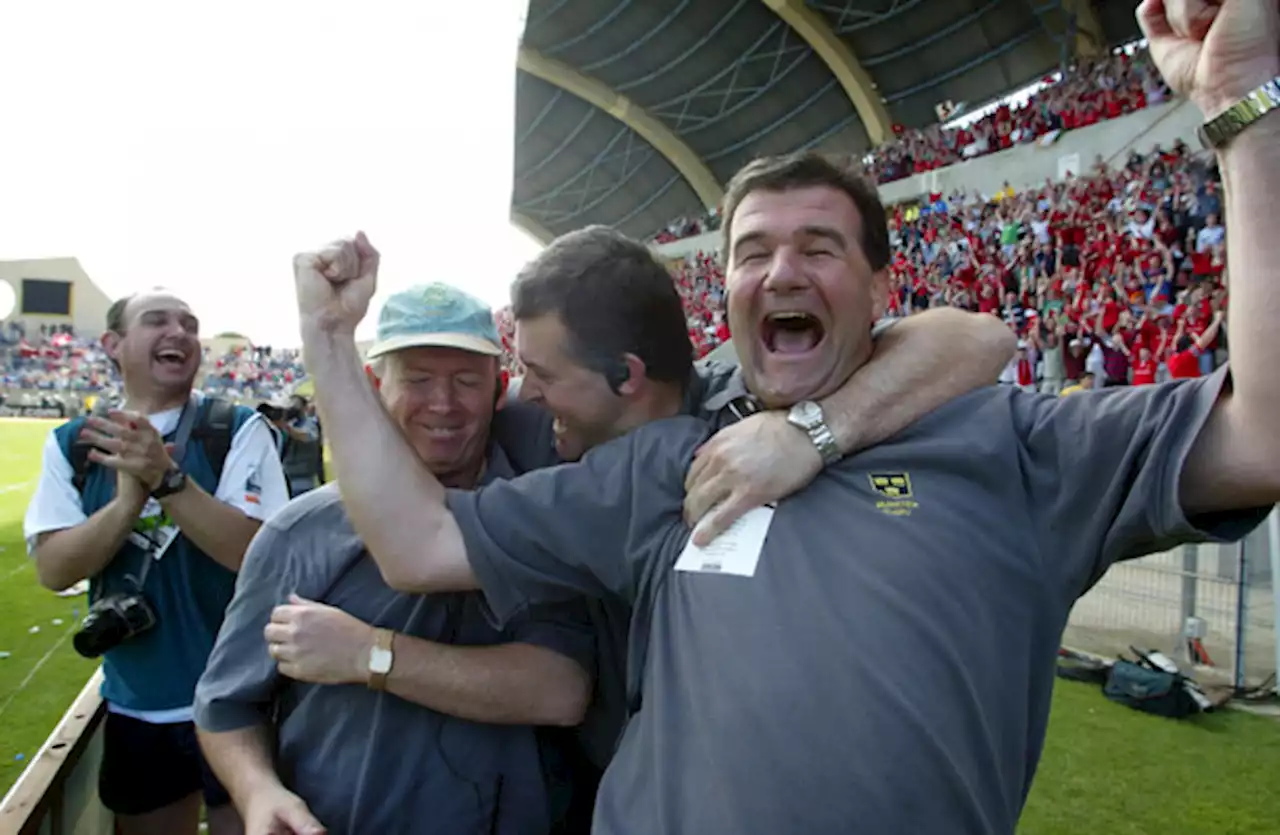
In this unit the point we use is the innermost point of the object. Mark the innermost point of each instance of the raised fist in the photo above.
(334, 285)
(1214, 52)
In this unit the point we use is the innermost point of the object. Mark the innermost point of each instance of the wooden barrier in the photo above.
(57, 794)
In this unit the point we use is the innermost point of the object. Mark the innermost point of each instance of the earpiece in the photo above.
(616, 375)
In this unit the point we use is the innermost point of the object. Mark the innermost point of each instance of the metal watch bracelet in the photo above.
(1226, 126)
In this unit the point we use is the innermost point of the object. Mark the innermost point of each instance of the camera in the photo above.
(111, 621)
(275, 414)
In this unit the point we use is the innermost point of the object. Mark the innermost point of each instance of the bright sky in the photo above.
(199, 147)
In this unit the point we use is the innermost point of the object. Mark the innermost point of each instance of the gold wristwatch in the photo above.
(1220, 130)
(381, 658)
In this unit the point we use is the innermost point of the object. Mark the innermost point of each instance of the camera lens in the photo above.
(100, 632)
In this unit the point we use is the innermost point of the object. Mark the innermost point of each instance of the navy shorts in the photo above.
(148, 766)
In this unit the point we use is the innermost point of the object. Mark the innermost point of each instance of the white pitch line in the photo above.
(15, 572)
(31, 675)
(13, 488)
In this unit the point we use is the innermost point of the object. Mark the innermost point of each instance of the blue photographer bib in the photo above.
(188, 590)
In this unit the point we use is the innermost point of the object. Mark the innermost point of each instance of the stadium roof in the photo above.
(635, 112)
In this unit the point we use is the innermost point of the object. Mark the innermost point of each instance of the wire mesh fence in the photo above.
(1219, 595)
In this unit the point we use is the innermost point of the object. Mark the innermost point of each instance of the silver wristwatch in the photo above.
(807, 416)
(1219, 131)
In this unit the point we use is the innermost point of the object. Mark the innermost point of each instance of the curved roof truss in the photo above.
(676, 150)
(844, 65)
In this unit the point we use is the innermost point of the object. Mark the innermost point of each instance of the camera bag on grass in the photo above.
(1143, 686)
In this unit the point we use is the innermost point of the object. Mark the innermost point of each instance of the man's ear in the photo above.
(500, 395)
(111, 345)
(373, 378)
(637, 374)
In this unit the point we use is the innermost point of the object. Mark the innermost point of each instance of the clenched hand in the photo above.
(334, 285)
(318, 643)
(1214, 52)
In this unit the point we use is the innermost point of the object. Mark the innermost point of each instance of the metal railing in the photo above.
(1224, 595)
(57, 794)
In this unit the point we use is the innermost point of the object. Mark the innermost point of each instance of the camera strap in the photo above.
(186, 422)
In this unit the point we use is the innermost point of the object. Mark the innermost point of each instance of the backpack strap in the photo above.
(78, 456)
(215, 430)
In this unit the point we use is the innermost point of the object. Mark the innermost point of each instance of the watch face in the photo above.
(809, 412)
(380, 661)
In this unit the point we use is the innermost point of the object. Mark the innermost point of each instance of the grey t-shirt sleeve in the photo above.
(524, 431)
(588, 528)
(1102, 471)
(238, 685)
(564, 628)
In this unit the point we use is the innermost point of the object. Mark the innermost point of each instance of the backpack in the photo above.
(212, 431)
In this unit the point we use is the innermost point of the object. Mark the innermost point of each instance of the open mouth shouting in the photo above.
(791, 333)
(171, 358)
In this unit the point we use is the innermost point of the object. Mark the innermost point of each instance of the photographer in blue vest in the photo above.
(154, 501)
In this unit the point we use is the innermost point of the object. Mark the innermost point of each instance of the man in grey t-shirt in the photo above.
(350, 668)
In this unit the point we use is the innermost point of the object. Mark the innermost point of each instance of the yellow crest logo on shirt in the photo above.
(892, 485)
(899, 499)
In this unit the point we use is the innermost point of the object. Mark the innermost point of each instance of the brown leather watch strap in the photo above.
(383, 640)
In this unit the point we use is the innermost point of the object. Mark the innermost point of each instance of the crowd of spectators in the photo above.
(687, 227)
(253, 373)
(1111, 278)
(1088, 93)
(56, 362)
(52, 359)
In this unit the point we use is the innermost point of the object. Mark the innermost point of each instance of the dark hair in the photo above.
(614, 298)
(806, 169)
(115, 313)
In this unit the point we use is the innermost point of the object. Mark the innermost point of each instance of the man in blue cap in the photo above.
(306, 728)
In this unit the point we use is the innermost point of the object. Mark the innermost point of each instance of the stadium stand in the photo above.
(1128, 255)
(58, 368)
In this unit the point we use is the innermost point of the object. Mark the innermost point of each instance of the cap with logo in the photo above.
(435, 316)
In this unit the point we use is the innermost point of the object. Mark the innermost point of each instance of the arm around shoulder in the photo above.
(920, 363)
(982, 343)
(579, 529)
